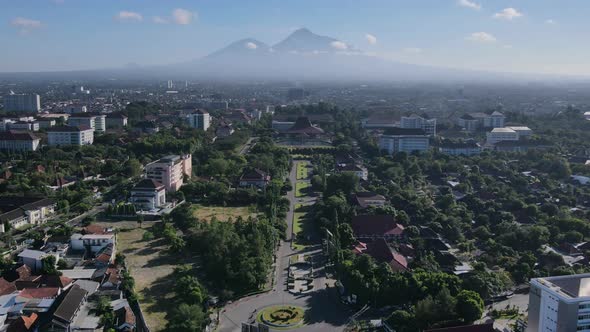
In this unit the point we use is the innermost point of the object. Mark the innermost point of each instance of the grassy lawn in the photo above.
(300, 227)
(150, 264)
(223, 213)
(302, 172)
(300, 188)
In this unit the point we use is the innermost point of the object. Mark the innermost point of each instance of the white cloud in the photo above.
(25, 24)
(159, 20)
(371, 39)
(183, 16)
(469, 4)
(251, 46)
(128, 16)
(339, 45)
(508, 14)
(550, 21)
(412, 50)
(481, 37)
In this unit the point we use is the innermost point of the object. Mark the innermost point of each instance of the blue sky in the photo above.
(542, 36)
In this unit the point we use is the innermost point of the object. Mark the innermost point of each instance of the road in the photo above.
(249, 144)
(324, 310)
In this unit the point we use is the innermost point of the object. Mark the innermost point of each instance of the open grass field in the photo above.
(151, 265)
(301, 228)
(223, 213)
(301, 188)
(302, 171)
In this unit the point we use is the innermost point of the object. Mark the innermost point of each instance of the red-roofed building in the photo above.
(23, 323)
(40, 293)
(6, 287)
(383, 253)
(379, 226)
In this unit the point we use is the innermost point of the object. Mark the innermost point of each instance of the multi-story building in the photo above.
(559, 304)
(18, 141)
(170, 171)
(474, 121)
(199, 120)
(116, 120)
(465, 148)
(415, 121)
(404, 140)
(522, 131)
(70, 135)
(22, 103)
(94, 121)
(24, 125)
(148, 194)
(16, 211)
(501, 134)
(75, 109)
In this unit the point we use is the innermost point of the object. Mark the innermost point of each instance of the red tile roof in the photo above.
(6, 287)
(23, 323)
(381, 225)
(40, 293)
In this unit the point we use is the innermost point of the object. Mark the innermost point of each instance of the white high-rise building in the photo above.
(22, 103)
(559, 304)
(199, 120)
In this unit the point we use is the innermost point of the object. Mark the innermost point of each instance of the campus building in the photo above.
(22, 103)
(199, 120)
(70, 135)
(404, 140)
(170, 171)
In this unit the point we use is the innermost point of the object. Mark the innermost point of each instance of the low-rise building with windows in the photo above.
(70, 135)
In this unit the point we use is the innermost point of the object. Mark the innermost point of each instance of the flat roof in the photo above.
(502, 130)
(575, 286)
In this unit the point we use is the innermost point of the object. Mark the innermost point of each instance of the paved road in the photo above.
(246, 147)
(324, 311)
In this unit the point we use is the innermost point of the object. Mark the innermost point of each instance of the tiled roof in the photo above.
(70, 304)
(148, 184)
(377, 225)
(40, 293)
(17, 136)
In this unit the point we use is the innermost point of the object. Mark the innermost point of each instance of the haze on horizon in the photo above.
(524, 36)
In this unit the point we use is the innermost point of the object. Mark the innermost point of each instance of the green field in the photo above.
(302, 172)
(300, 227)
(300, 189)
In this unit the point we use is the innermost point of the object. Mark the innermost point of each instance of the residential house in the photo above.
(91, 242)
(66, 312)
(19, 211)
(365, 199)
(34, 259)
(148, 194)
(170, 171)
(23, 323)
(124, 316)
(18, 141)
(254, 178)
(376, 226)
(383, 253)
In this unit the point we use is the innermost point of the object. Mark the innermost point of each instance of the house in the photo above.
(67, 310)
(224, 130)
(148, 194)
(18, 141)
(116, 120)
(365, 199)
(10, 306)
(91, 242)
(376, 226)
(170, 171)
(70, 135)
(6, 287)
(34, 259)
(124, 316)
(147, 127)
(23, 323)
(361, 172)
(19, 211)
(383, 253)
(254, 178)
(404, 140)
(488, 327)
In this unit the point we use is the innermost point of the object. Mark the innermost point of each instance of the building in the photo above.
(559, 304)
(34, 259)
(380, 121)
(365, 199)
(24, 126)
(224, 130)
(148, 195)
(474, 121)
(22, 103)
(75, 109)
(404, 140)
(18, 141)
(375, 227)
(487, 327)
(91, 242)
(415, 121)
(116, 120)
(465, 148)
(170, 171)
(522, 131)
(70, 135)
(46, 122)
(383, 253)
(94, 121)
(501, 134)
(468, 122)
(17, 211)
(361, 172)
(281, 126)
(68, 309)
(199, 120)
(254, 178)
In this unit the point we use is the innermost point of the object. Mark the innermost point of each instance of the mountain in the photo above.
(305, 41)
(244, 47)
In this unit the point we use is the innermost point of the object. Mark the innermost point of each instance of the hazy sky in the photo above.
(545, 36)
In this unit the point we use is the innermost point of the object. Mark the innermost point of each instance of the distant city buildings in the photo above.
(116, 120)
(475, 121)
(404, 140)
(22, 103)
(94, 121)
(18, 141)
(75, 108)
(70, 135)
(170, 171)
(559, 303)
(415, 121)
(224, 130)
(199, 120)
(465, 148)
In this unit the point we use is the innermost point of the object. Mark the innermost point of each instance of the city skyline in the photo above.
(503, 36)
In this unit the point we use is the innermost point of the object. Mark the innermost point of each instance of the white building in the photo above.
(94, 121)
(93, 242)
(415, 121)
(404, 140)
(199, 120)
(522, 131)
(559, 304)
(34, 259)
(469, 148)
(148, 195)
(70, 135)
(22, 103)
(18, 141)
(501, 134)
(24, 125)
(75, 109)
(474, 121)
(170, 171)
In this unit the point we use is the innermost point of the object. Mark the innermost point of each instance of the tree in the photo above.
(133, 168)
(49, 265)
(187, 317)
(469, 306)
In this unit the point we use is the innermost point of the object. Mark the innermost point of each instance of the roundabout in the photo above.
(283, 317)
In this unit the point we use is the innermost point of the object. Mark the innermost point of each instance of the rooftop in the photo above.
(395, 131)
(575, 286)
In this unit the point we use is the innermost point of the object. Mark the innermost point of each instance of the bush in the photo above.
(148, 236)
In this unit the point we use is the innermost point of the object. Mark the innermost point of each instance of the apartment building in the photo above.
(70, 135)
(170, 171)
(18, 141)
(404, 140)
(559, 304)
